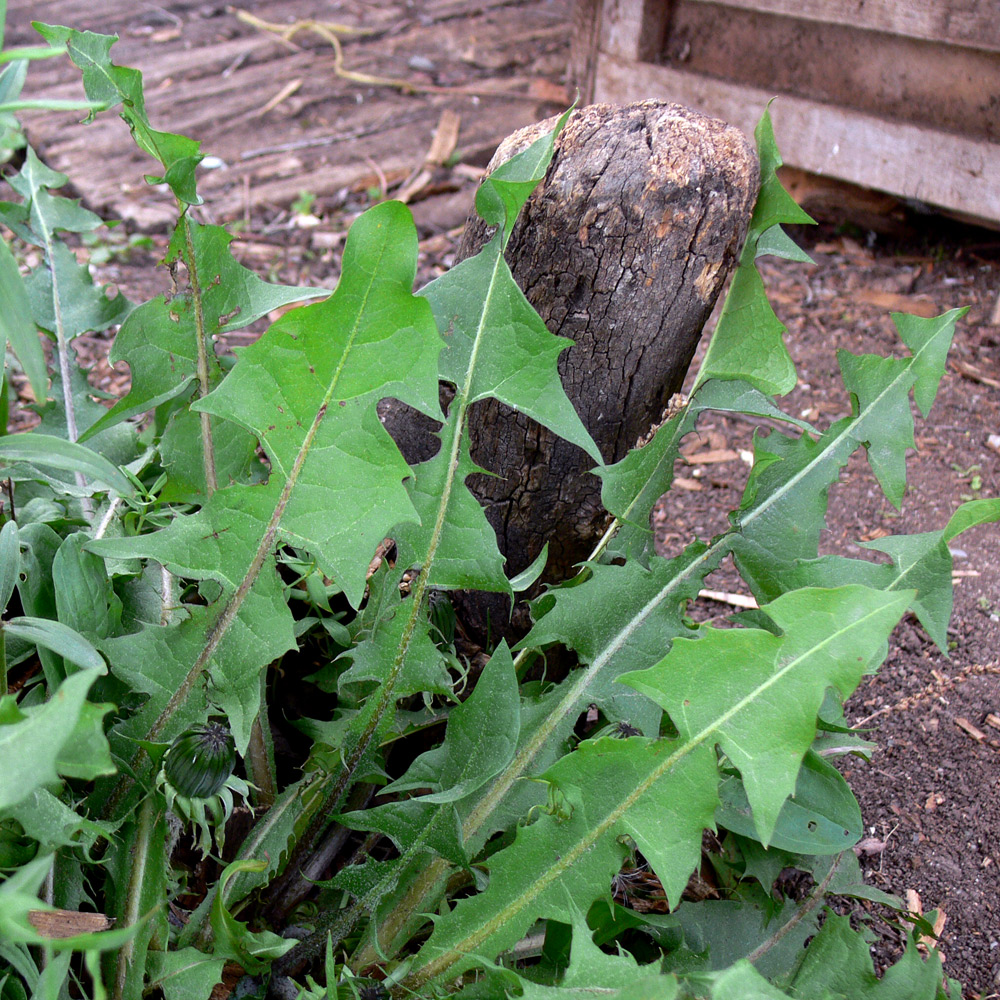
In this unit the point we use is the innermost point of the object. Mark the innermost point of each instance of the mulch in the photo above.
(931, 796)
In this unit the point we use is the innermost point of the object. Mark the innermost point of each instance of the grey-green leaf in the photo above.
(57, 453)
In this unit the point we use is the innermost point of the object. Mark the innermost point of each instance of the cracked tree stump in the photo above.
(623, 248)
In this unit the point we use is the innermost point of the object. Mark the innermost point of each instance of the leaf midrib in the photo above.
(567, 858)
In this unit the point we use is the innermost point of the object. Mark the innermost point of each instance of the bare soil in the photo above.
(931, 796)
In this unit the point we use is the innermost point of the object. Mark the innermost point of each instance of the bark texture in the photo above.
(623, 248)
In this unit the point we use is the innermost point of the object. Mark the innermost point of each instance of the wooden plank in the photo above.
(210, 76)
(890, 76)
(634, 29)
(583, 47)
(949, 171)
(972, 23)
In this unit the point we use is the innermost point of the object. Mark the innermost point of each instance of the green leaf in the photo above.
(622, 618)
(503, 193)
(969, 515)
(160, 661)
(57, 453)
(630, 488)
(747, 342)
(372, 658)
(48, 213)
(35, 587)
(821, 817)
(838, 964)
(17, 325)
(466, 556)
(479, 741)
(233, 939)
(33, 740)
(109, 85)
(592, 971)
(784, 504)
(743, 982)
(118, 444)
(498, 346)
(53, 824)
(159, 340)
(10, 561)
(827, 639)
(657, 792)
(184, 974)
(527, 578)
(85, 598)
(64, 298)
(922, 562)
(138, 879)
(726, 931)
(59, 638)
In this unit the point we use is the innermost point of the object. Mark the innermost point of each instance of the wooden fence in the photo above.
(902, 96)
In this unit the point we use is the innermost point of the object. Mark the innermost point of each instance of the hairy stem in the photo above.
(133, 899)
(63, 355)
(260, 755)
(386, 692)
(201, 341)
(815, 898)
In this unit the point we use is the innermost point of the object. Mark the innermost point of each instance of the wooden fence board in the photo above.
(972, 23)
(902, 158)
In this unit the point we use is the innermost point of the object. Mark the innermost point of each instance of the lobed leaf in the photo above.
(39, 743)
(747, 342)
(17, 326)
(158, 341)
(752, 693)
(630, 488)
(109, 85)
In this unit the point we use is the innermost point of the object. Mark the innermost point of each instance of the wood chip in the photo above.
(691, 485)
(967, 727)
(736, 600)
(712, 457)
(916, 305)
(933, 801)
(993, 720)
(993, 442)
(972, 373)
(869, 846)
(445, 137)
(67, 923)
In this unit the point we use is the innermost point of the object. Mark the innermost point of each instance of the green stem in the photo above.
(133, 899)
(63, 356)
(386, 691)
(201, 341)
(260, 755)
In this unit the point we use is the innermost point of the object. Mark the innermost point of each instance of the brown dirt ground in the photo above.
(931, 795)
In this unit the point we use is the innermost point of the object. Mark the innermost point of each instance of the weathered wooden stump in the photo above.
(623, 248)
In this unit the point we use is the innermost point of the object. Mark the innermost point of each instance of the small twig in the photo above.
(329, 30)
